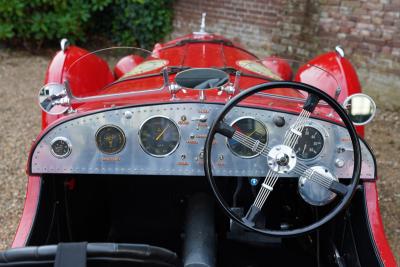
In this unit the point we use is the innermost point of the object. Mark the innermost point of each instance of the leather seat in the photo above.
(97, 254)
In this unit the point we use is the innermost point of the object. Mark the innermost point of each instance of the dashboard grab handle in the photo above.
(225, 129)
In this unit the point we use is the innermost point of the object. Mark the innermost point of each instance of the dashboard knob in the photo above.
(279, 121)
(339, 163)
(202, 118)
(128, 114)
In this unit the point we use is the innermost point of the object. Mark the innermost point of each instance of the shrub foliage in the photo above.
(125, 22)
(140, 22)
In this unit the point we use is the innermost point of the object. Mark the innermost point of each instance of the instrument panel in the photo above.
(169, 140)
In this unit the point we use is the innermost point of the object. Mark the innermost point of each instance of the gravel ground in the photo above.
(21, 76)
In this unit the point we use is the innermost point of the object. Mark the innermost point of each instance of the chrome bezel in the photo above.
(324, 134)
(65, 99)
(66, 140)
(266, 133)
(120, 130)
(163, 155)
(346, 102)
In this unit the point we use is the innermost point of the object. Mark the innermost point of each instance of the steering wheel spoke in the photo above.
(319, 178)
(245, 140)
(266, 188)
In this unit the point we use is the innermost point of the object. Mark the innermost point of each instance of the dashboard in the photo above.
(168, 139)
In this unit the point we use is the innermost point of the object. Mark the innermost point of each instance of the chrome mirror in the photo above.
(360, 107)
(53, 99)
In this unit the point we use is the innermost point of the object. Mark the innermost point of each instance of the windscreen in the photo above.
(98, 73)
(129, 70)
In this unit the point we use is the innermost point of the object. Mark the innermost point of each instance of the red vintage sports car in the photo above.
(199, 153)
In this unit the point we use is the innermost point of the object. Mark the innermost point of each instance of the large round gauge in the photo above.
(159, 136)
(310, 143)
(60, 147)
(252, 128)
(110, 139)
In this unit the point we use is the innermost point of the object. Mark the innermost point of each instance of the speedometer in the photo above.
(159, 136)
(252, 128)
(310, 143)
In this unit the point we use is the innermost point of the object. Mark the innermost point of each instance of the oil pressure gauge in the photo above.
(110, 139)
(60, 147)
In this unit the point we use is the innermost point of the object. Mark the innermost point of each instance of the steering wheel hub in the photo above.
(282, 159)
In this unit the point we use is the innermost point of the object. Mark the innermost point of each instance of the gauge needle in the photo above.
(159, 136)
(250, 134)
(304, 149)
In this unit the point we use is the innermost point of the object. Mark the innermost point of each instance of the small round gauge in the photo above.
(252, 128)
(110, 139)
(310, 143)
(60, 147)
(159, 136)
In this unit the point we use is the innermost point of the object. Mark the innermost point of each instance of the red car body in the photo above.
(205, 52)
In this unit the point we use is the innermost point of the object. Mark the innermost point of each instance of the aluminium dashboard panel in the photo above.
(187, 158)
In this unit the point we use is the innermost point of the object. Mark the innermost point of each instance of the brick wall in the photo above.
(369, 32)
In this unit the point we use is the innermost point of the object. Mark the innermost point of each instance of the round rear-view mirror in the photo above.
(361, 108)
(202, 78)
(53, 99)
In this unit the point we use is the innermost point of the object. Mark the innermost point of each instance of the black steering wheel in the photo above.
(282, 159)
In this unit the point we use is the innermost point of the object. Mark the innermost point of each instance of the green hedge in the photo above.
(140, 22)
(125, 22)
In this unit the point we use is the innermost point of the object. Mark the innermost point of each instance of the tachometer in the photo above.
(159, 136)
(110, 139)
(310, 143)
(252, 128)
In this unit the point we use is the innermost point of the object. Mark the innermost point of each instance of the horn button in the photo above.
(281, 159)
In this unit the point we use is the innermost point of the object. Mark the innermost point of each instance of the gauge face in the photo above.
(159, 136)
(60, 147)
(147, 66)
(110, 139)
(310, 143)
(252, 128)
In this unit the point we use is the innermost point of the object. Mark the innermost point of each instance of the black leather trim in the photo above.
(71, 255)
(141, 253)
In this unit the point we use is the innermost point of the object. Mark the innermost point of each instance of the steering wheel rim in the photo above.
(344, 201)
